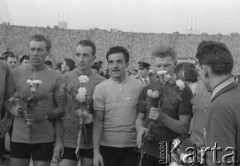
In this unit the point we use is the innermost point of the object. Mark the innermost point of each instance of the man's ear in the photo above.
(127, 64)
(68, 68)
(206, 70)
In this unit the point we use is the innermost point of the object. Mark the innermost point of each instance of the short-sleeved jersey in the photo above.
(71, 122)
(51, 90)
(174, 103)
(118, 102)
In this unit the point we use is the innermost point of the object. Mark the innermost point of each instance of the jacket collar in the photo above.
(223, 90)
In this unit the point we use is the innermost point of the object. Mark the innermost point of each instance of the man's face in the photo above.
(64, 66)
(25, 62)
(117, 65)
(12, 62)
(84, 57)
(143, 72)
(166, 63)
(38, 52)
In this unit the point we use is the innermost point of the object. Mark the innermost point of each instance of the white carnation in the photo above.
(152, 94)
(37, 82)
(155, 94)
(89, 119)
(167, 76)
(180, 84)
(149, 92)
(79, 112)
(80, 98)
(82, 90)
(83, 79)
(176, 142)
(29, 82)
(33, 89)
(163, 72)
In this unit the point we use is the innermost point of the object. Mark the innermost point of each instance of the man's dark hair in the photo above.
(24, 57)
(190, 75)
(119, 49)
(216, 55)
(94, 66)
(8, 54)
(58, 66)
(70, 63)
(163, 51)
(183, 66)
(88, 43)
(40, 38)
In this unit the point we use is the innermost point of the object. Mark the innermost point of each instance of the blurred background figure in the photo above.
(129, 73)
(190, 76)
(181, 67)
(67, 65)
(106, 73)
(59, 67)
(187, 72)
(100, 67)
(11, 59)
(143, 72)
(1, 57)
(49, 64)
(24, 60)
(135, 72)
(95, 68)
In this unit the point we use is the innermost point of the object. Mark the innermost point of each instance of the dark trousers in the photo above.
(118, 156)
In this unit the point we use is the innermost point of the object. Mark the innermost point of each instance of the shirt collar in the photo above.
(221, 86)
(123, 82)
(80, 72)
(36, 69)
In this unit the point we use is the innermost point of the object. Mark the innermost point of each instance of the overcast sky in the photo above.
(150, 16)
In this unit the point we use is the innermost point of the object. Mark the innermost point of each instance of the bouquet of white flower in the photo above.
(154, 99)
(25, 101)
(84, 115)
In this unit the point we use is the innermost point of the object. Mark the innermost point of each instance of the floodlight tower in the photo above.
(4, 13)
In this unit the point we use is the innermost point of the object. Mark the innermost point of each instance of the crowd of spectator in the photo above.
(14, 38)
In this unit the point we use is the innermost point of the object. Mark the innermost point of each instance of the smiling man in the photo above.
(115, 113)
